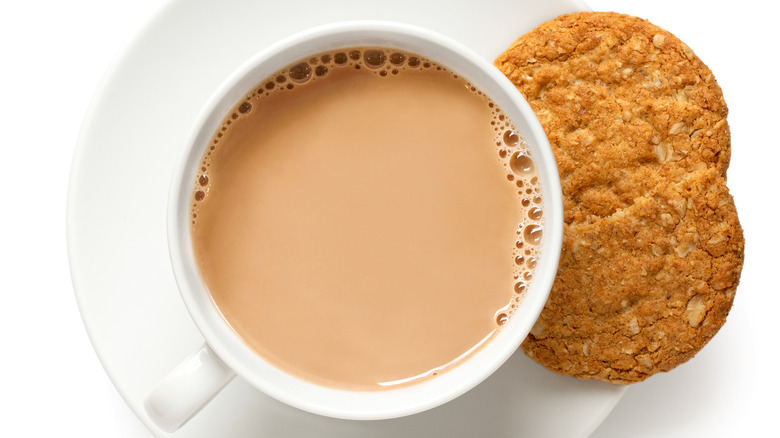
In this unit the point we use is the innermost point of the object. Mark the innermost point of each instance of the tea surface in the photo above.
(368, 223)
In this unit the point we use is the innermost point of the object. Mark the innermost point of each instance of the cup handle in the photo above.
(187, 389)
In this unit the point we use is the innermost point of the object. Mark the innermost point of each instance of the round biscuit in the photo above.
(652, 249)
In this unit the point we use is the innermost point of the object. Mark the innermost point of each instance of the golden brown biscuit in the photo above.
(652, 249)
(620, 100)
(642, 290)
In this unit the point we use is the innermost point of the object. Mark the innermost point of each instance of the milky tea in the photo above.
(366, 218)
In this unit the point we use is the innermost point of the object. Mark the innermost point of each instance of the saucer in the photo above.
(132, 134)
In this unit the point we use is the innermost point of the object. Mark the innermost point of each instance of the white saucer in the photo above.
(131, 137)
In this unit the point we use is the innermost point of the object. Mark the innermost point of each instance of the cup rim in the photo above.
(311, 397)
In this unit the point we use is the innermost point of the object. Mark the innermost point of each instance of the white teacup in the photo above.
(201, 376)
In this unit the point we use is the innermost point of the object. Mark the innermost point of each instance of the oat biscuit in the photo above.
(652, 248)
(620, 99)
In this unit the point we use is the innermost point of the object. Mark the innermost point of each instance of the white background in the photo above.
(52, 56)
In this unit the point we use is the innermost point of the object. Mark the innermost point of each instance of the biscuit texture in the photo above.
(652, 249)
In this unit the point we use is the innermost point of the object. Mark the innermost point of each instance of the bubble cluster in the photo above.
(383, 62)
(516, 157)
(509, 145)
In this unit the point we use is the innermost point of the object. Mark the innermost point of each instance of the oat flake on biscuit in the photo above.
(652, 248)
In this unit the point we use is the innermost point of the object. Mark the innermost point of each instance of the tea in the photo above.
(366, 218)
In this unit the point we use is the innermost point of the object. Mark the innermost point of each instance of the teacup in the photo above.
(225, 353)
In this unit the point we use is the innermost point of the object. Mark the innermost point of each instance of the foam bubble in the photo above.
(245, 108)
(511, 138)
(397, 58)
(521, 163)
(533, 234)
(374, 58)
